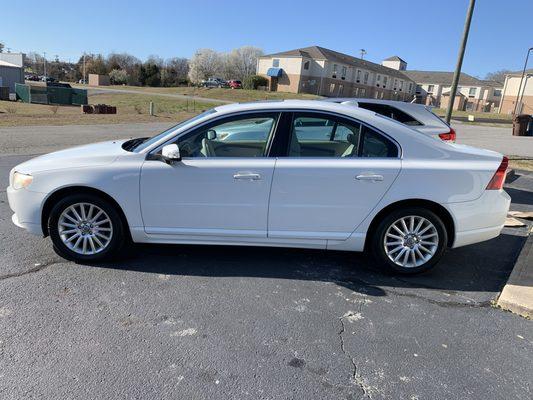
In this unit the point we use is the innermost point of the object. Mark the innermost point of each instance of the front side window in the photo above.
(317, 136)
(376, 145)
(244, 136)
(275, 62)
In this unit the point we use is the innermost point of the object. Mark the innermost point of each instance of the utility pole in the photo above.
(521, 80)
(84, 80)
(363, 52)
(460, 57)
(44, 62)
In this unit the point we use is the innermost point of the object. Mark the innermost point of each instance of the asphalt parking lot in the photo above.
(261, 323)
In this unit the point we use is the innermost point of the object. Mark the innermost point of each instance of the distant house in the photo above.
(510, 95)
(433, 88)
(320, 71)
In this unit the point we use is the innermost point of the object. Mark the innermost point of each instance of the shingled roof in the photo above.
(395, 58)
(445, 78)
(321, 53)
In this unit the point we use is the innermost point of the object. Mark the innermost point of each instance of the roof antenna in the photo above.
(363, 52)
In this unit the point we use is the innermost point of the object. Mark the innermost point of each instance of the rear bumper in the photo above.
(481, 219)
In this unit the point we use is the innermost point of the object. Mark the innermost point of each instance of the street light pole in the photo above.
(521, 80)
(460, 57)
(44, 61)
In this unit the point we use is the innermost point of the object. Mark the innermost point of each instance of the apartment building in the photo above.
(320, 71)
(510, 94)
(433, 88)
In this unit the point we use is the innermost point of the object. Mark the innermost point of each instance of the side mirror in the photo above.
(171, 153)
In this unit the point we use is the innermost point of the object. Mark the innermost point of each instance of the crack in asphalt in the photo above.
(355, 378)
(33, 270)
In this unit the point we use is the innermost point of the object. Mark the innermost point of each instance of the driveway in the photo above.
(499, 139)
(210, 322)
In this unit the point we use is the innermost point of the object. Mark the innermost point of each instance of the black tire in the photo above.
(118, 238)
(377, 241)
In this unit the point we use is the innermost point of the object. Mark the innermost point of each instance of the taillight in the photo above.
(448, 136)
(497, 181)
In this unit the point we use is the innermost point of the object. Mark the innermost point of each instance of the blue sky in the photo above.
(425, 33)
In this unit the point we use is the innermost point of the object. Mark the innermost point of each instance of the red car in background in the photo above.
(235, 84)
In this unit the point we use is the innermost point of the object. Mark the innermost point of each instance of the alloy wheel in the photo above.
(411, 241)
(85, 228)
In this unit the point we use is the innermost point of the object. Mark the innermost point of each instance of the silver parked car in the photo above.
(416, 116)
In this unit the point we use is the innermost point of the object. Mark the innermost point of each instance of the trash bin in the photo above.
(530, 126)
(520, 124)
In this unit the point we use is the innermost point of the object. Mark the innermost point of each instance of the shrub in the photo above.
(118, 77)
(254, 81)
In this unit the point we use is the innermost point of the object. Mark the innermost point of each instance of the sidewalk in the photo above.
(517, 294)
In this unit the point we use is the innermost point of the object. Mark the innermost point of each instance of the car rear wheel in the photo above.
(85, 228)
(410, 240)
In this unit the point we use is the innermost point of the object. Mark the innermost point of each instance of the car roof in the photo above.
(420, 112)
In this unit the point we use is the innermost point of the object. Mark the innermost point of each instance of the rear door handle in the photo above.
(369, 177)
(250, 176)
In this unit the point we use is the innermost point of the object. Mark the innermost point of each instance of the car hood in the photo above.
(75, 157)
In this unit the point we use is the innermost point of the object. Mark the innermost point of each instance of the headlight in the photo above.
(21, 180)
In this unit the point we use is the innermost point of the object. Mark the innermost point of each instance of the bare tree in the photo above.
(123, 61)
(244, 61)
(176, 71)
(498, 76)
(1, 47)
(204, 64)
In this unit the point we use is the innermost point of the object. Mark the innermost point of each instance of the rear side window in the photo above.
(377, 145)
(391, 112)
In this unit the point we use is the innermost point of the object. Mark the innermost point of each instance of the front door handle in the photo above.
(249, 176)
(369, 177)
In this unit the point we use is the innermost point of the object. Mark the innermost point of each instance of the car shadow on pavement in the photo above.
(519, 196)
(483, 267)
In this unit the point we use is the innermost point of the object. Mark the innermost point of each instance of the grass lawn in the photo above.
(233, 95)
(441, 112)
(517, 162)
(130, 108)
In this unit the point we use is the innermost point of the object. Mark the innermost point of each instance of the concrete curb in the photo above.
(517, 294)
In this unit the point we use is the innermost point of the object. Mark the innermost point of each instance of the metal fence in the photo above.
(50, 95)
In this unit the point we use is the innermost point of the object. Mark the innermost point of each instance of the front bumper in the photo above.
(27, 207)
(481, 219)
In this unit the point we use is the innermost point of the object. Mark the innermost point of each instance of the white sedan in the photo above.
(295, 173)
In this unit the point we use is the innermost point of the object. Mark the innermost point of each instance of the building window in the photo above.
(275, 62)
(472, 91)
(384, 81)
(410, 87)
(395, 84)
(341, 89)
(497, 92)
(430, 89)
(362, 92)
(332, 88)
(343, 75)
(401, 86)
(335, 69)
(365, 78)
(306, 65)
(358, 77)
(356, 92)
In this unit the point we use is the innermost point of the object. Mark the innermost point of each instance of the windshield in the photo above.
(150, 141)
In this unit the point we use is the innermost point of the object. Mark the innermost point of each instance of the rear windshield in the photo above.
(391, 112)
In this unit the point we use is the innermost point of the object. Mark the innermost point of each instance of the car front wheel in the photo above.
(410, 241)
(85, 228)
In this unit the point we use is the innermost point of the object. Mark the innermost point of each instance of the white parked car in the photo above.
(316, 175)
(417, 116)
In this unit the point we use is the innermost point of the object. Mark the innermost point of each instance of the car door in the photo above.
(333, 173)
(221, 185)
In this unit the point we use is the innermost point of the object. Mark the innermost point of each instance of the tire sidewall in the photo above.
(114, 245)
(379, 235)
